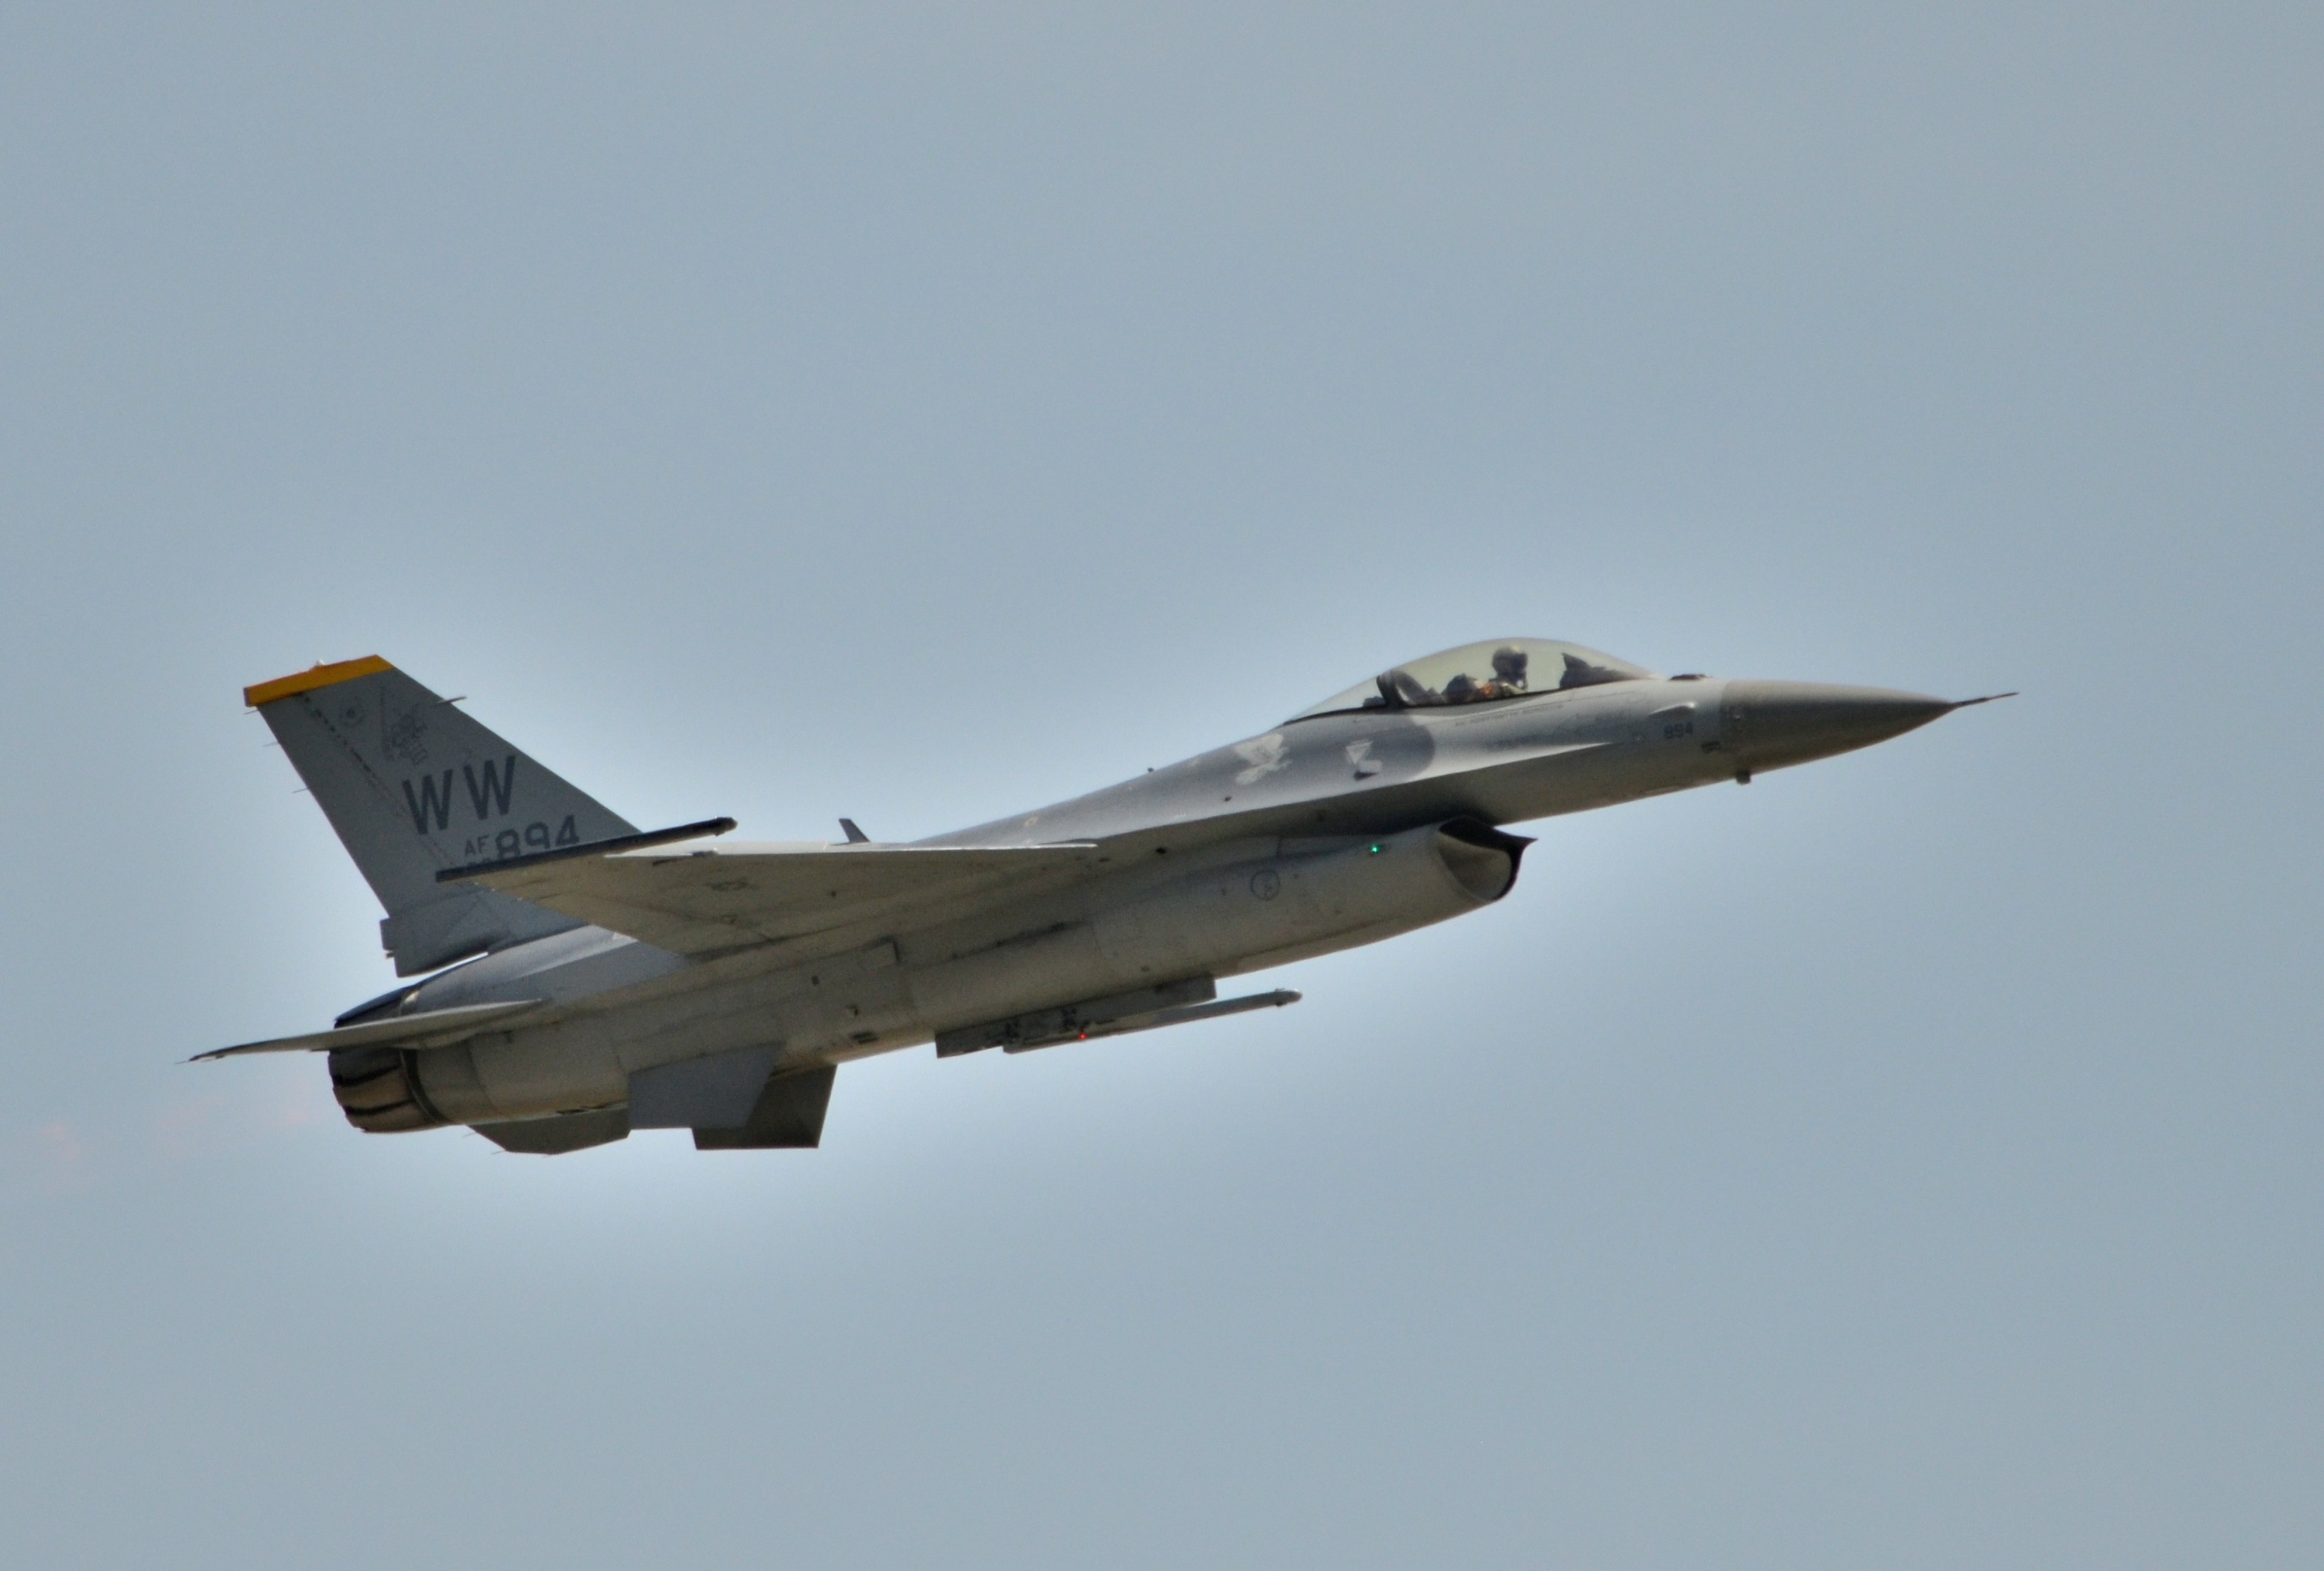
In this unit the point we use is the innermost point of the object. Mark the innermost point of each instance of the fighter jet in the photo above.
(578, 978)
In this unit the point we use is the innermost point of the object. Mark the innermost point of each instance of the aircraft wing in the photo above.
(703, 900)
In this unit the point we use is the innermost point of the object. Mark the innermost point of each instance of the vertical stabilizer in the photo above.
(414, 785)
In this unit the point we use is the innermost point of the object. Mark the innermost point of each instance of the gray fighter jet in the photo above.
(580, 979)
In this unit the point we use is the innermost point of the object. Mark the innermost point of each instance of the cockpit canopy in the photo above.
(1481, 673)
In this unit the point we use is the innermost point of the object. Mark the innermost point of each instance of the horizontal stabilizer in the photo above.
(706, 900)
(434, 1028)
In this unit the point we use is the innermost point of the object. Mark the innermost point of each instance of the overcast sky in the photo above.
(1913, 1159)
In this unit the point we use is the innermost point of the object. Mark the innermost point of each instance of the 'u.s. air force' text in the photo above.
(431, 799)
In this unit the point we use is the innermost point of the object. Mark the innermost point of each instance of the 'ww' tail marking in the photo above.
(434, 800)
(492, 790)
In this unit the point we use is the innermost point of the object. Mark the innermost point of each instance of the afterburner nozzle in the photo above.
(1769, 725)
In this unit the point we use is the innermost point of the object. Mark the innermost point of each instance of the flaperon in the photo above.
(590, 979)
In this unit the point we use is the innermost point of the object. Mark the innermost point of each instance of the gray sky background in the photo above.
(922, 414)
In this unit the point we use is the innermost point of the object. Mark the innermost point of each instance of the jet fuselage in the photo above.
(1327, 832)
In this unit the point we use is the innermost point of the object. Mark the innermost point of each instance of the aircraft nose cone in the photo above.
(1768, 725)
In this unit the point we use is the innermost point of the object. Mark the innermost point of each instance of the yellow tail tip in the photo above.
(307, 681)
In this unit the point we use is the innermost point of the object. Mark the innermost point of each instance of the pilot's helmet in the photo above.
(1510, 665)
